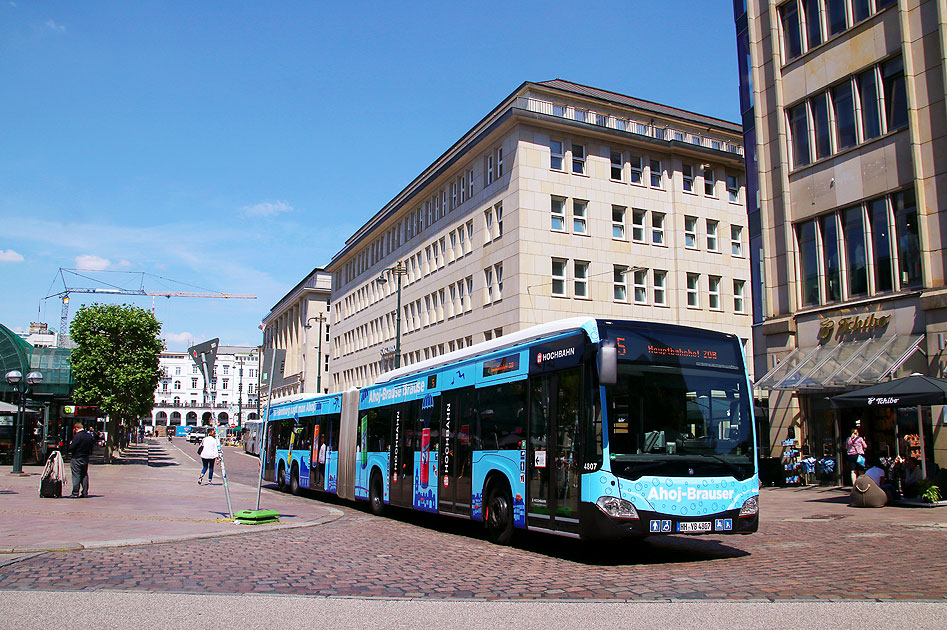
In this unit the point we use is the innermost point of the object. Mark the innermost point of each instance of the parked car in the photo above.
(197, 434)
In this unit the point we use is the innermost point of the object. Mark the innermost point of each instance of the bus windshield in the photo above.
(679, 421)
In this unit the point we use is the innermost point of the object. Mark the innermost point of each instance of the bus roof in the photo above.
(588, 324)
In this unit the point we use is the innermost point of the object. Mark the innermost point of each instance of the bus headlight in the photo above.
(617, 508)
(751, 507)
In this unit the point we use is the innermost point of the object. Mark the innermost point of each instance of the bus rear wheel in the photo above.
(281, 478)
(500, 516)
(376, 495)
(294, 480)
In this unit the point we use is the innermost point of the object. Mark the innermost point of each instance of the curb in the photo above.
(334, 515)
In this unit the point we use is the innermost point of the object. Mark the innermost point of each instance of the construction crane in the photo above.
(113, 289)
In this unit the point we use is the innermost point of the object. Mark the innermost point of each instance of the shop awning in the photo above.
(844, 365)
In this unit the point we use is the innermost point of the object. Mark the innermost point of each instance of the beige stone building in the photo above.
(299, 324)
(843, 107)
(564, 200)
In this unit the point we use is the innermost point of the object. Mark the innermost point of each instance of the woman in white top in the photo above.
(209, 452)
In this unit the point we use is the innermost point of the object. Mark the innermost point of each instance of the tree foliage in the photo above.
(115, 363)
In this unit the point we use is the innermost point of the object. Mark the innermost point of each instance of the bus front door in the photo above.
(454, 451)
(553, 459)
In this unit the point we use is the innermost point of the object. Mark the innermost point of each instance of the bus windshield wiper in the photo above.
(729, 465)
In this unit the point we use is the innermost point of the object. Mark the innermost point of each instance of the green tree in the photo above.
(115, 363)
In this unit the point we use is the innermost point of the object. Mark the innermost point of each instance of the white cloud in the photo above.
(123, 264)
(55, 27)
(266, 209)
(182, 339)
(88, 262)
(10, 256)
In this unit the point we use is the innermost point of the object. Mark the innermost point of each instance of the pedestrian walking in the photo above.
(80, 449)
(209, 450)
(855, 447)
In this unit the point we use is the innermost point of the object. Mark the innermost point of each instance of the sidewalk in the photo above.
(147, 498)
(809, 503)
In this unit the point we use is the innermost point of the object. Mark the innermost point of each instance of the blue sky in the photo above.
(234, 146)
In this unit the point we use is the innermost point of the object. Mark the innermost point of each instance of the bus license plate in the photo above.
(702, 526)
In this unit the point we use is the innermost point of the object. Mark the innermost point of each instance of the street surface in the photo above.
(812, 547)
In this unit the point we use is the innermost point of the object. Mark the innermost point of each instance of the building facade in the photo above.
(299, 324)
(180, 399)
(846, 129)
(564, 200)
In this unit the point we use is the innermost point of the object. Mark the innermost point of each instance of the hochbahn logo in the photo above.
(555, 354)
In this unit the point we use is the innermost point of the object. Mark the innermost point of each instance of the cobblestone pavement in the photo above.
(418, 556)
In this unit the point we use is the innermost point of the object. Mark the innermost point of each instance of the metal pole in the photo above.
(920, 434)
(18, 448)
(266, 421)
(319, 360)
(240, 398)
(398, 320)
(223, 473)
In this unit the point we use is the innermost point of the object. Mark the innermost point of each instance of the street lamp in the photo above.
(15, 379)
(321, 318)
(398, 270)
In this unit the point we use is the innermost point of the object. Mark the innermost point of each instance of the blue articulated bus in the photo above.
(584, 428)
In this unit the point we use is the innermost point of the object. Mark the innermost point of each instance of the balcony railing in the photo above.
(627, 125)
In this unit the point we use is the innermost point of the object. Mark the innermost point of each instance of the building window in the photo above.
(709, 182)
(226, 381)
(498, 274)
(835, 14)
(617, 166)
(660, 287)
(618, 223)
(871, 112)
(177, 370)
(555, 155)
(736, 240)
(193, 382)
(498, 211)
(908, 238)
(896, 106)
(470, 183)
(488, 169)
(498, 153)
(712, 235)
(690, 232)
(226, 369)
(558, 276)
(640, 281)
(177, 384)
(488, 225)
(830, 258)
(654, 166)
(820, 120)
(581, 279)
(636, 169)
(488, 284)
(713, 292)
(813, 22)
(738, 290)
(846, 134)
(579, 218)
(881, 244)
(578, 159)
(618, 282)
(687, 171)
(657, 228)
(637, 225)
(733, 188)
(799, 133)
(193, 369)
(693, 286)
(792, 33)
(558, 209)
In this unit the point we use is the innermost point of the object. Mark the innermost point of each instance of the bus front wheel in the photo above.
(376, 495)
(294, 480)
(281, 478)
(500, 515)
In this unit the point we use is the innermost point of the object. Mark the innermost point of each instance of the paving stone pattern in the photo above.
(415, 556)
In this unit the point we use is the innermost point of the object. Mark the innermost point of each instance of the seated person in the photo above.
(877, 474)
(867, 493)
(912, 477)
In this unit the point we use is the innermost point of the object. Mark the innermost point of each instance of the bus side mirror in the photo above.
(607, 363)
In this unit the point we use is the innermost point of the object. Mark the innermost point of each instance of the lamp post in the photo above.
(398, 270)
(321, 318)
(240, 395)
(15, 379)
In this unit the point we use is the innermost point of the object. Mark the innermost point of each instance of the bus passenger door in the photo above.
(402, 454)
(454, 469)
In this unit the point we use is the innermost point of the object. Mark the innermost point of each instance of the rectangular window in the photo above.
(896, 106)
(820, 120)
(693, 286)
(654, 166)
(713, 292)
(809, 263)
(687, 171)
(558, 276)
(710, 183)
(498, 274)
(690, 232)
(470, 180)
(830, 258)
(861, 9)
(617, 166)
(792, 35)
(641, 286)
(813, 23)
(799, 133)
(579, 218)
(498, 212)
(835, 13)
(618, 282)
(489, 169)
(488, 284)
(712, 235)
(736, 240)
(453, 195)
(578, 159)
(463, 190)
(581, 278)
(487, 225)
(881, 244)
(469, 236)
(660, 287)
(908, 238)
(733, 188)
(499, 161)
(657, 228)
(871, 111)
(856, 256)
(739, 287)
(618, 223)
(558, 210)
(637, 225)
(636, 169)
(555, 155)
(846, 133)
